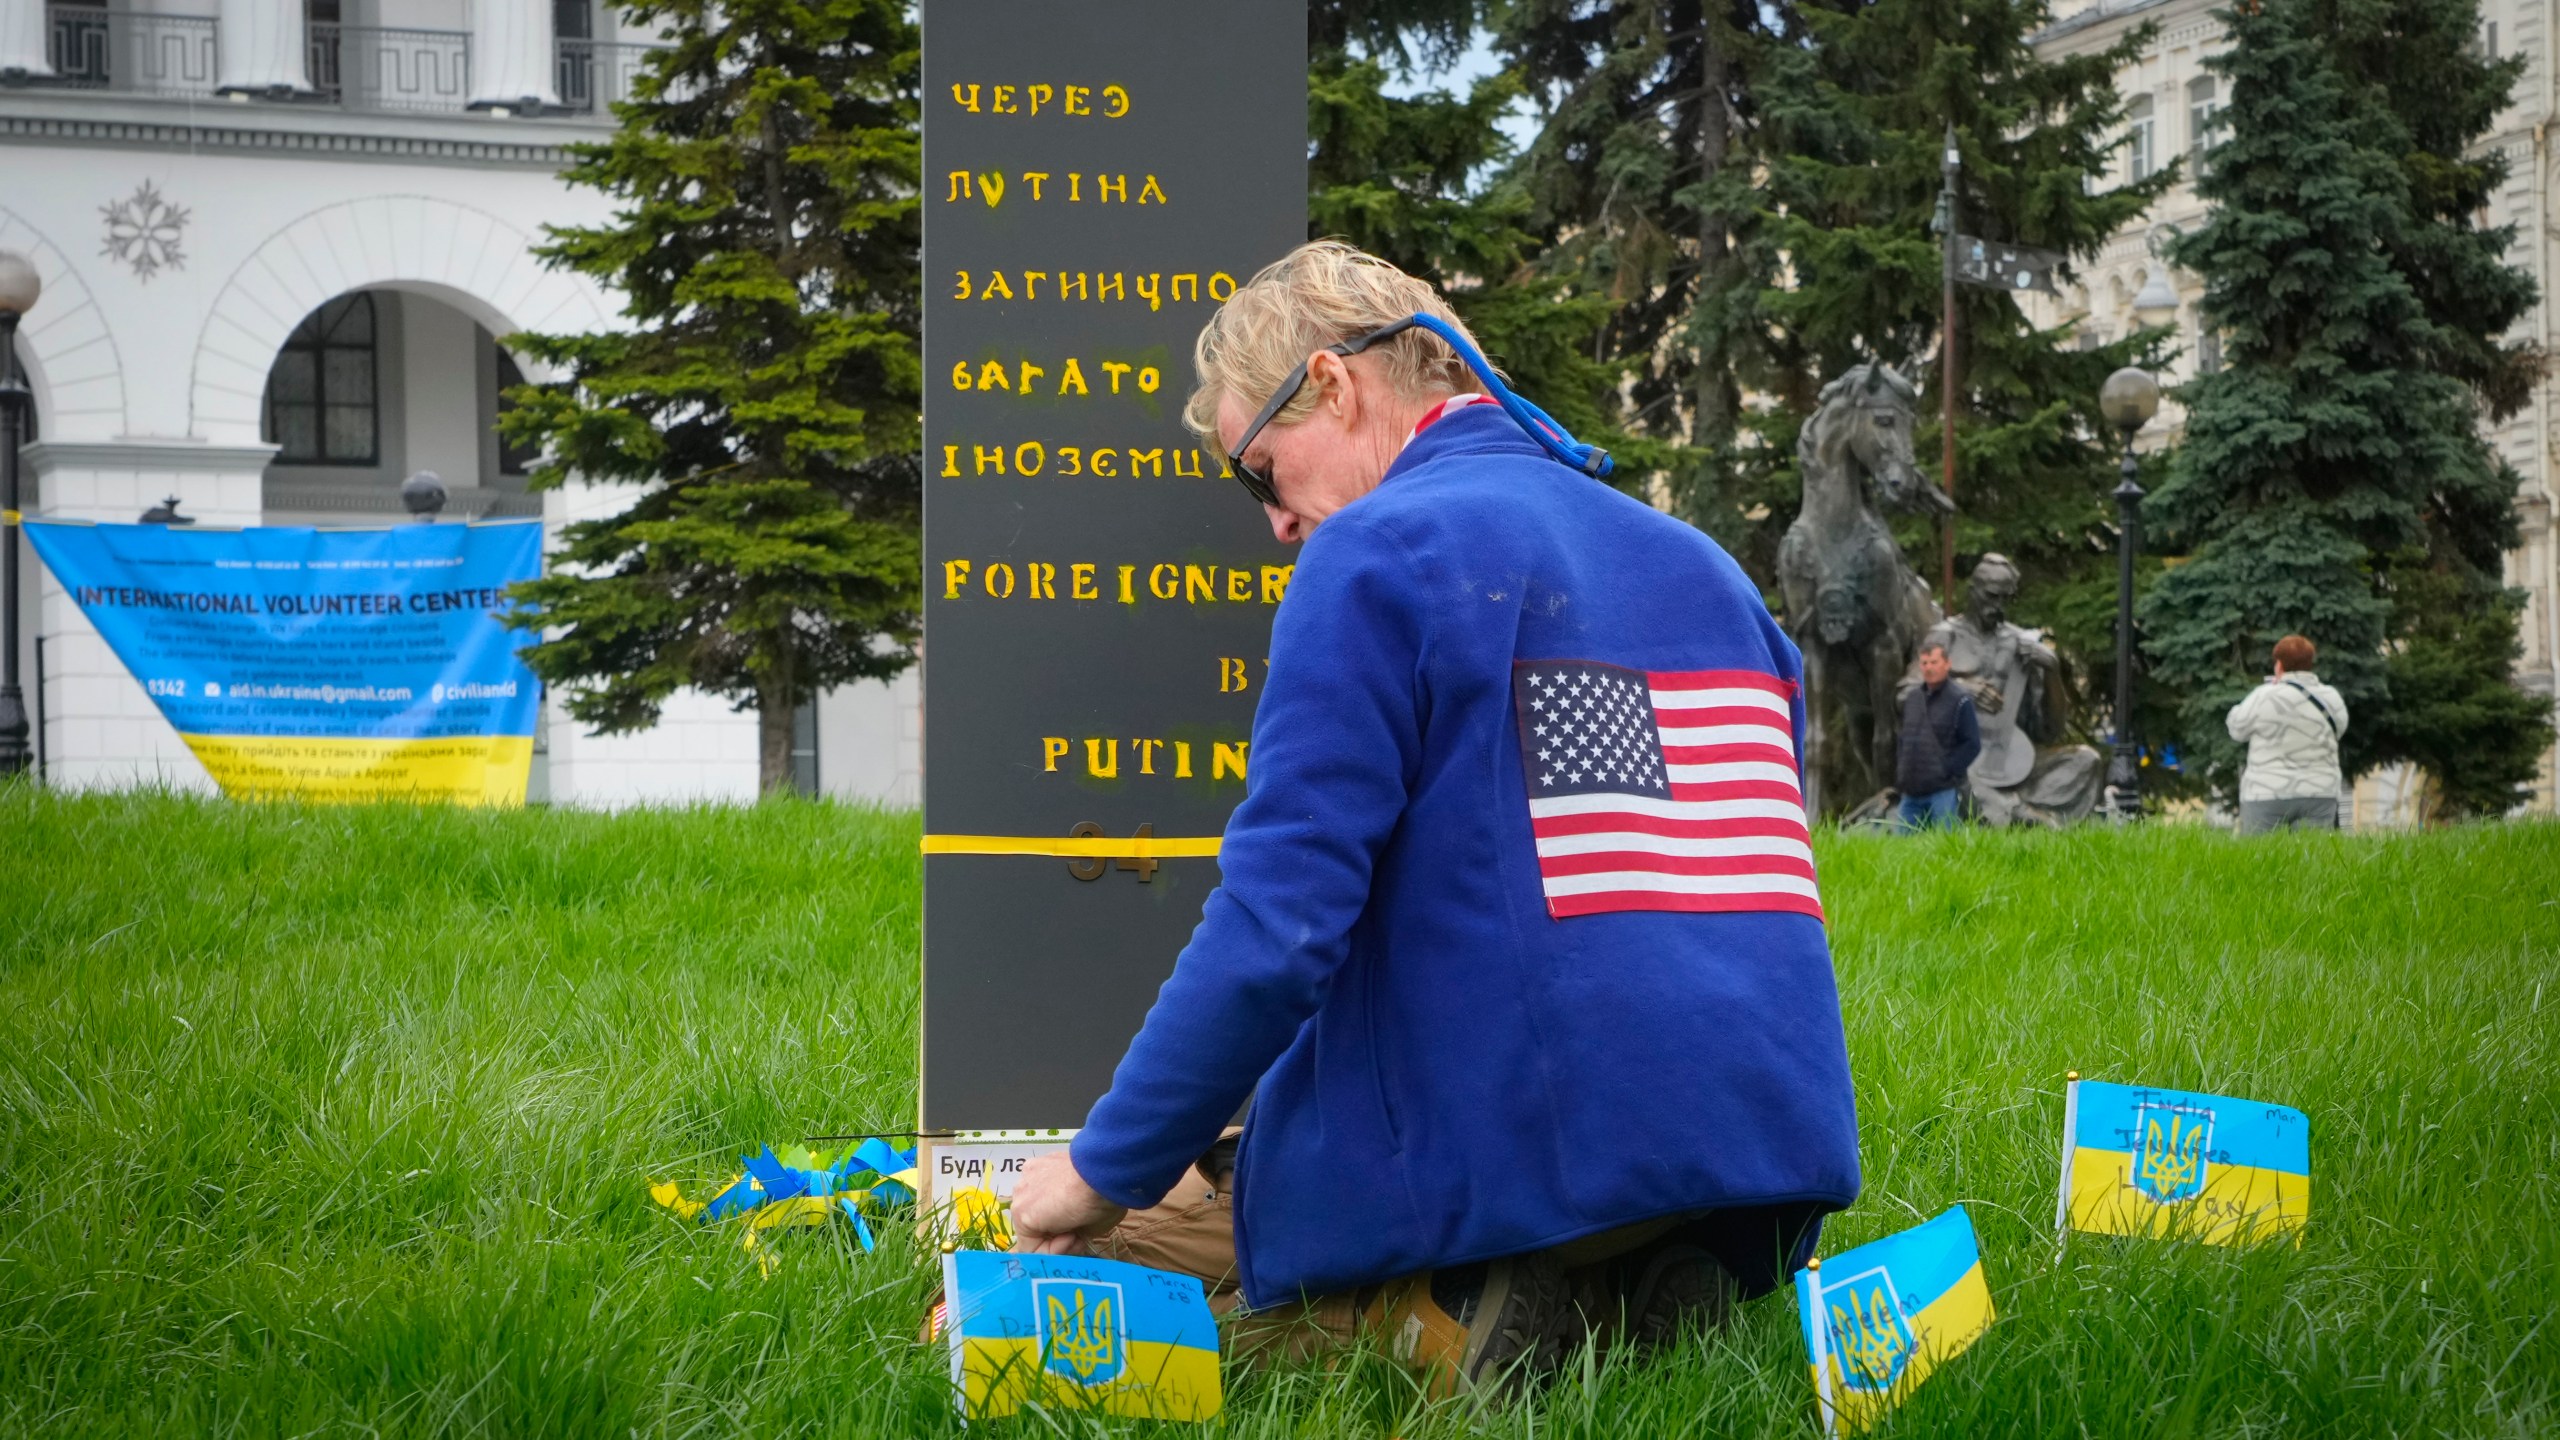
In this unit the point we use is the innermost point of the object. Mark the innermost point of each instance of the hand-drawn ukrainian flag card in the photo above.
(2175, 1164)
(1880, 1318)
(1078, 1333)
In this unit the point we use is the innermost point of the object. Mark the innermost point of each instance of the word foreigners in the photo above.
(1079, 580)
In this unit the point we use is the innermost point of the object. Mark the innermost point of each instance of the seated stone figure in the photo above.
(2016, 683)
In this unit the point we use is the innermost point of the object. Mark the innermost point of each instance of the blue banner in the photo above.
(322, 664)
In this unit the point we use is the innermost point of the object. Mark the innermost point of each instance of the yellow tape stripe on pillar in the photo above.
(1081, 847)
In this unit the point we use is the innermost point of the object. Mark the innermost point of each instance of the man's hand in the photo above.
(1055, 1212)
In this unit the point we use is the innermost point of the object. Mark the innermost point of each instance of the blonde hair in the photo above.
(1320, 294)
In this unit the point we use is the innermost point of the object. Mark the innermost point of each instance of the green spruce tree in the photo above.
(2454, 708)
(764, 396)
(1856, 132)
(1642, 180)
(1414, 179)
(2334, 481)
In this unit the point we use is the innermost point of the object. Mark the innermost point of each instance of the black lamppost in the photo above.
(2129, 399)
(19, 287)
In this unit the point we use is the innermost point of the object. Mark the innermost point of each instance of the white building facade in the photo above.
(280, 242)
(2172, 101)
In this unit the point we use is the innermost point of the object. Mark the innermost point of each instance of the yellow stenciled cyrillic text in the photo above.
(1032, 100)
(1030, 378)
(1153, 287)
(1032, 459)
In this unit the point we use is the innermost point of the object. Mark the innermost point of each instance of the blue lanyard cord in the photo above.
(1591, 460)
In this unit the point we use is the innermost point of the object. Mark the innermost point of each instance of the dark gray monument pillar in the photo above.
(1098, 598)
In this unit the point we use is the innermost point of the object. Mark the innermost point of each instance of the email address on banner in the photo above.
(329, 694)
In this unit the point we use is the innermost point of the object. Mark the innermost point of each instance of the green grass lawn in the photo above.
(341, 1121)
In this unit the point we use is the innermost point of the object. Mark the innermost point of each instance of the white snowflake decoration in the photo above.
(144, 232)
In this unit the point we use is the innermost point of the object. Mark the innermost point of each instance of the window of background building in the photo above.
(321, 403)
(2139, 152)
(515, 457)
(323, 16)
(2208, 346)
(804, 748)
(574, 21)
(2204, 109)
(80, 43)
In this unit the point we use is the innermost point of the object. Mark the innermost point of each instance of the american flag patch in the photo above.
(1663, 790)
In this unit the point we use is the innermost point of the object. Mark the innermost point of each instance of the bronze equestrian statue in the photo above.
(1854, 606)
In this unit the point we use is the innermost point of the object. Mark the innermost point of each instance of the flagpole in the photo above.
(2070, 1144)
(1947, 376)
(1809, 1285)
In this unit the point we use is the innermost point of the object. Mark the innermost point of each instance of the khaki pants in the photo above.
(1193, 1232)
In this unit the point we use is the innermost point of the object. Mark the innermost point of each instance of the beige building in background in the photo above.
(2172, 100)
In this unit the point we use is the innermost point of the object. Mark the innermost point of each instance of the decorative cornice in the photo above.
(197, 135)
(2096, 14)
(147, 455)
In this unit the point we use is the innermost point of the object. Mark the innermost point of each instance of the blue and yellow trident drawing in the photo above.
(2169, 1156)
(1080, 1329)
(1870, 1337)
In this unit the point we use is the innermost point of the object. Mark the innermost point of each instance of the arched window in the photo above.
(321, 395)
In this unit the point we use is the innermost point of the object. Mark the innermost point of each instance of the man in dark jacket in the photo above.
(1940, 738)
(1517, 947)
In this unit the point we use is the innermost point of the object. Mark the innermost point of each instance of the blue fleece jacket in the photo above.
(1446, 1073)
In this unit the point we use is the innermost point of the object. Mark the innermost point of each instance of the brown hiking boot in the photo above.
(1487, 1327)
(1671, 1287)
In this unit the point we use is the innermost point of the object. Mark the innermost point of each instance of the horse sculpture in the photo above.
(1854, 606)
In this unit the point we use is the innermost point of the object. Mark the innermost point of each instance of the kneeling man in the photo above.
(1518, 952)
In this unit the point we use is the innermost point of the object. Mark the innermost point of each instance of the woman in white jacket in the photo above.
(2291, 725)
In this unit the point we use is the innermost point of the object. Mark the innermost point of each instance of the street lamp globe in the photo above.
(2157, 302)
(19, 283)
(423, 495)
(2129, 399)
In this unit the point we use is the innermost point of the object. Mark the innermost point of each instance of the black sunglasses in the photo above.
(1258, 483)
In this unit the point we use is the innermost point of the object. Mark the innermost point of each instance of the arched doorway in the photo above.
(375, 385)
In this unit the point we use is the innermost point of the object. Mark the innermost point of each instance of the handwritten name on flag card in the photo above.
(2139, 1160)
